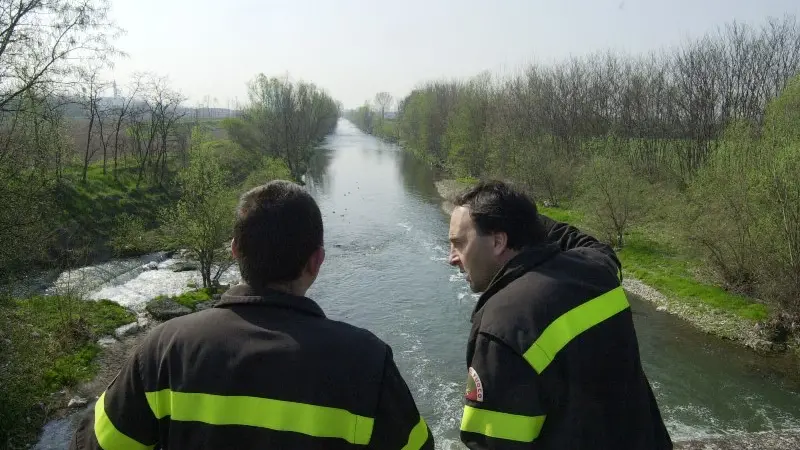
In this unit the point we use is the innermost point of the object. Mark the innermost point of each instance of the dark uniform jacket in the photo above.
(553, 358)
(257, 372)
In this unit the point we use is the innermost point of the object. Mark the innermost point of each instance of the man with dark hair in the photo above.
(553, 360)
(264, 368)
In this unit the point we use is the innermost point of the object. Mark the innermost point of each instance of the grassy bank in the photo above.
(47, 344)
(193, 298)
(662, 262)
(657, 259)
(91, 210)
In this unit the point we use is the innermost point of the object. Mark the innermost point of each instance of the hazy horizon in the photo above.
(356, 48)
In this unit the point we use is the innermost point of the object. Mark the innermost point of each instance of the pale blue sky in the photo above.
(355, 48)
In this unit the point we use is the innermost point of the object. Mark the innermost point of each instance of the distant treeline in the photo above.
(703, 137)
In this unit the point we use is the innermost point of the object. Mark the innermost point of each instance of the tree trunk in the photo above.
(116, 150)
(205, 269)
(88, 145)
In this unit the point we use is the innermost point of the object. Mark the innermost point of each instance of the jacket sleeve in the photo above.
(398, 423)
(503, 407)
(570, 237)
(122, 418)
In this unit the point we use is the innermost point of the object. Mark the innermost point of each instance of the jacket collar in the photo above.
(517, 266)
(243, 294)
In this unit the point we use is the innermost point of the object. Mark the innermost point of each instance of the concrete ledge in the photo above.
(767, 440)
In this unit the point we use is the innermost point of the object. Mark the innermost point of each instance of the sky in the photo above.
(356, 48)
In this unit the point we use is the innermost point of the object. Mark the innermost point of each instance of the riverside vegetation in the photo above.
(91, 170)
(686, 160)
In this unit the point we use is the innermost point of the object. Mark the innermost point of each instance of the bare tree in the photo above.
(154, 124)
(384, 101)
(121, 111)
(91, 89)
(42, 42)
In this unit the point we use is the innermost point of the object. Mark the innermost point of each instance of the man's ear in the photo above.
(500, 242)
(315, 261)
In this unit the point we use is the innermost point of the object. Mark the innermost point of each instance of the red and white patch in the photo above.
(474, 386)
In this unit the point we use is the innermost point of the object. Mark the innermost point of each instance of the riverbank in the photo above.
(49, 345)
(58, 352)
(655, 270)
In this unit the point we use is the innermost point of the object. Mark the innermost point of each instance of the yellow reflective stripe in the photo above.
(418, 436)
(501, 425)
(279, 415)
(107, 434)
(572, 323)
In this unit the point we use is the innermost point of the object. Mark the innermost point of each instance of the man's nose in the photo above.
(454, 261)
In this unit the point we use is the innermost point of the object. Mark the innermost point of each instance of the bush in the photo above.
(721, 215)
(614, 197)
(269, 169)
(130, 237)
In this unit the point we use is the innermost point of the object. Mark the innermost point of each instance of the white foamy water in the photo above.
(132, 286)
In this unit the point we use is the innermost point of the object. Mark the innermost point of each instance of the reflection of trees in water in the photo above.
(378, 150)
(317, 175)
(417, 176)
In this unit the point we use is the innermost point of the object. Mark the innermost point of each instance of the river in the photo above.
(387, 270)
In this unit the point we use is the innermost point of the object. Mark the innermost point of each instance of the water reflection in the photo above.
(317, 177)
(417, 176)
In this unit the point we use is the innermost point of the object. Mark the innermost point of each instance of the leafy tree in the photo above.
(722, 209)
(781, 186)
(465, 136)
(288, 119)
(202, 220)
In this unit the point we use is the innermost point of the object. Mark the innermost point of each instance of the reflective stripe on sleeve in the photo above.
(418, 436)
(278, 415)
(571, 324)
(501, 425)
(108, 436)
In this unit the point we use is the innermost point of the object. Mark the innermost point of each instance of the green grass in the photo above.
(92, 208)
(661, 261)
(192, 298)
(47, 344)
(467, 181)
(570, 216)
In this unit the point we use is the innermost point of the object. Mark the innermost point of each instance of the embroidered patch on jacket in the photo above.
(474, 386)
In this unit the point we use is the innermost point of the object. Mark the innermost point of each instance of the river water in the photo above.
(386, 270)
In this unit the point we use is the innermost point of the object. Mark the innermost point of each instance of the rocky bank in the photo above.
(80, 400)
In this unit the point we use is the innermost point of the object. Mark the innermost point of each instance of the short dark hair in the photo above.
(278, 227)
(495, 206)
